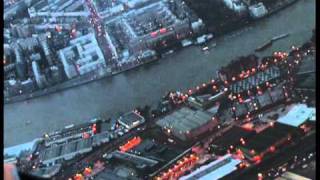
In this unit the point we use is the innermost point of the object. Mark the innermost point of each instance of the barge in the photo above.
(270, 42)
(264, 46)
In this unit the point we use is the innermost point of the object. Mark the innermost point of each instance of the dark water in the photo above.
(186, 68)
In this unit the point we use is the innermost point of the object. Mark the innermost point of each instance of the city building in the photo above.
(40, 78)
(236, 5)
(258, 10)
(152, 25)
(186, 123)
(58, 11)
(82, 56)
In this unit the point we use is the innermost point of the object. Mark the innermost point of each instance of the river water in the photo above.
(186, 68)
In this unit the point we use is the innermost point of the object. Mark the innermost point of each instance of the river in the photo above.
(189, 67)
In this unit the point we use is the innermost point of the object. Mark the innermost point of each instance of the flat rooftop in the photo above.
(184, 120)
(298, 115)
(215, 170)
(266, 138)
(233, 136)
(131, 119)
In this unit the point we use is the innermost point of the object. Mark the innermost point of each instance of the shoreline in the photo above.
(91, 77)
(182, 70)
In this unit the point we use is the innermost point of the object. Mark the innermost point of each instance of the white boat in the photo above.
(206, 48)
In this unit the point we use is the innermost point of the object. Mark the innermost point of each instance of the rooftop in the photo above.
(232, 136)
(215, 170)
(16, 150)
(298, 115)
(131, 119)
(185, 119)
(266, 138)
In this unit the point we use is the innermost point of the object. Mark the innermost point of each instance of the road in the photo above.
(186, 68)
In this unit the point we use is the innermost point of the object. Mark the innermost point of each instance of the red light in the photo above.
(78, 177)
(257, 158)
(85, 135)
(58, 28)
(241, 76)
(240, 100)
(163, 30)
(154, 34)
(272, 149)
(87, 171)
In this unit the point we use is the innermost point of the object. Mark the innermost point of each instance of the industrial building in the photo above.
(298, 115)
(255, 80)
(214, 170)
(205, 101)
(131, 120)
(82, 56)
(268, 141)
(139, 162)
(232, 137)
(186, 123)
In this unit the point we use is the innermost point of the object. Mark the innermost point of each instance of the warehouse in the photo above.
(215, 170)
(186, 123)
(131, 120)
(268, 141)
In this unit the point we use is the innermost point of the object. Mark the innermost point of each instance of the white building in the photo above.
(258, 10)
(82, 56)
(297, 115)
(214, 170)
(235, 5)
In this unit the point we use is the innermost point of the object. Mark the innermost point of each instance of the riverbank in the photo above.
(81, 80)
(87, 78)
(186, 68)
